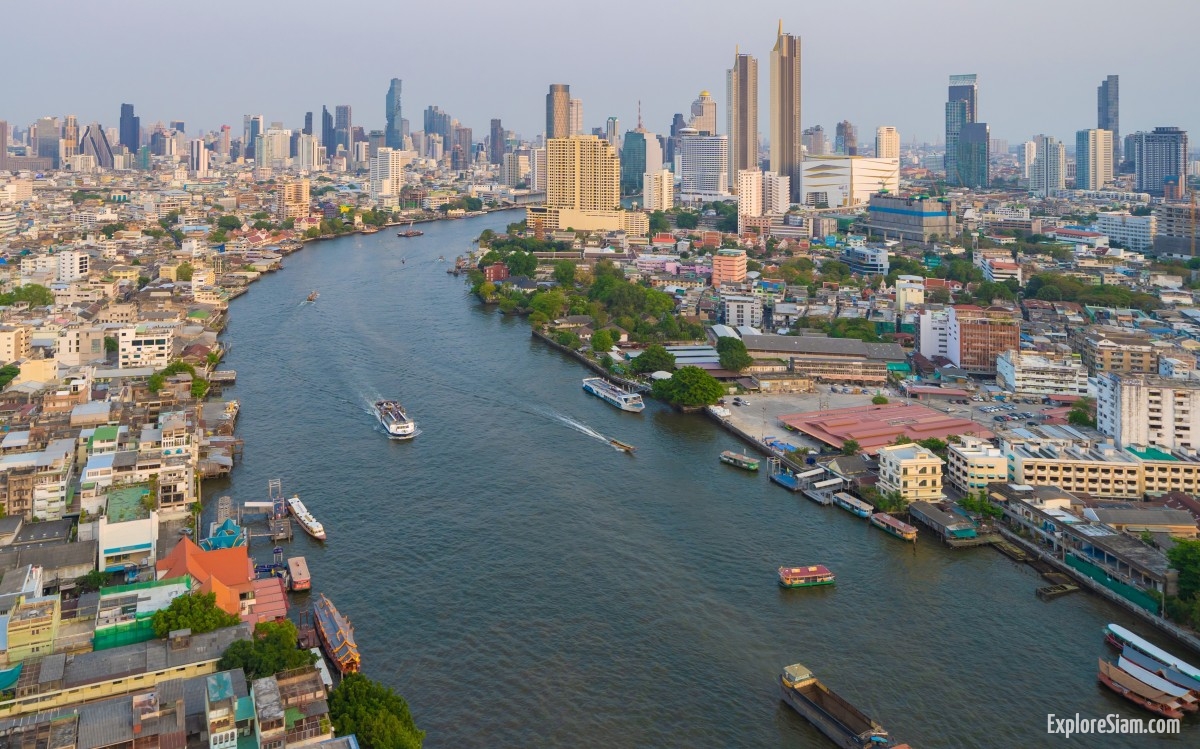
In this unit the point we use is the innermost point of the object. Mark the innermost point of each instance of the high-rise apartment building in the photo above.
(973, 160)
(343, 129)
(787, 151)
(777, 194)
(977, 336)
(496, 144)
(1160, 162)
(702, 163)
(612, 132)
(846, 139)
(887, 142)
(293, 198)
(583, 189)
(1048, 174)
(198, 158)
(1093, 159)
(962, 108)
(1176, 230)
(1149, 411)
(704, 114)
(387, 172)
(814, 141)
(1108, 108)
(575, 116)
(70, 138)
(1026, 156)
(742, 119)
(131, 128)
(558, 111)
(750, 194)
(658, 193)
(393, 131)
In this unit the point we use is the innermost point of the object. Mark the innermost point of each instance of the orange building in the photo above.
(225, 572)
(729, 266)
(979, 335)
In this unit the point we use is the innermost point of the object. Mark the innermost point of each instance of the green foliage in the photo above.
(567, 338)
(110, 344)
(987, 291)
(200, 387)
(273, 649)
(8, 373)
(376, 715)
(687, 219)
(521, 263)
(108, 230)
(851, 447)
(229, 222)
(653, 359)
(880, 400)
(1082, 413)
(602, 340)
(1070, 289)
(34, 294)
(1184, 557)
(935, 446)
(79, 196)
(184, 272)
(195, 611)
(550, 303)
(92, 581)
(689, 387)
(733, 354)
(564, 272)
(980, 505)
(659, 222)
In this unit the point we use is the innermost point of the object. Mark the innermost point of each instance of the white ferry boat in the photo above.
(613, 395)
(393, 418)
(310, 524)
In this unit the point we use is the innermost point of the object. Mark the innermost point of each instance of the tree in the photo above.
(1082, 413)
(229, 222)
(550, 303)
(34, 294)
(880, 400)
(272, 649)
(938, 295)
(184, 272)
(108, 230)
(659, 222)
(376, 715)
(690, 387)
(653, 359)
(110, 344)
(850, 447)
(8, 373)
(1184, 557)
(564, 272)
(521, 263)
(602, 340)
(687, 220)
(94, 580)
(195, 611)
(733, 354)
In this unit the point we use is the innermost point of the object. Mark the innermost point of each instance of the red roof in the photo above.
(875, 426)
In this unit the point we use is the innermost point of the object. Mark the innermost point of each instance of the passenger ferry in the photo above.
(805, 577)
(744, 462)
(853, 505)
(894, 526)
(309, 523)
(613, 395)
(394, 420)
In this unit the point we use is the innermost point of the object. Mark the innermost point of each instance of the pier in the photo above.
(955, 530)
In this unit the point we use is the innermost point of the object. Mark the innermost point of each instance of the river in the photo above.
(521, 583)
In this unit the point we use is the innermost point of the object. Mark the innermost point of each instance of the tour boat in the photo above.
(894, 526)
(844, 724)
(744, 462)
(309, 523)
(1187, 700)
(393, 418)
(337, 636)
(298, 577)
(1170, 673)
(613, 395)
(1137, 692)
(853, 505)
(805, 577)
(1123, 638)
(410, 231)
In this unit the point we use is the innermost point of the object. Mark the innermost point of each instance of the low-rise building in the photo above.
(741, 310)
(128, 531)
(1111, 349)
(973, 463)
(1132, 232)
(913, 471)
(145, 346)
(1041, 373)
(915, 218)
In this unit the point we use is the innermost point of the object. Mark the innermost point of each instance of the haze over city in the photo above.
(879, 63)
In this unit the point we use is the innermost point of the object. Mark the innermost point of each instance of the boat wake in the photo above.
(578, 426)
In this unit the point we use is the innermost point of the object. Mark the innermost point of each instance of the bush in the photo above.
(195, 611)
(379, 717)
(880, 400)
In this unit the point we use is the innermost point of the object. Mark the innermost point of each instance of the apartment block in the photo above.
(145, 346)
(728, 266)
(974, 463)
(1176, 231)
(1041, 373)
(15, 343)
(1107, 349)
(1131, 232)
(977, 336)
(1076, 465)
(913, 471)
(1141, 409)
(738, 310)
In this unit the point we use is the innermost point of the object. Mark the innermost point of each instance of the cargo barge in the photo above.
(844, 724)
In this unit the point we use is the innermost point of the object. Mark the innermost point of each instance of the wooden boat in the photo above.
(622, 446)
(1187, 700)
(410, 231)
(805, 577)
(337, 636)
(298, 577)
(745, 462)
(853, 505)
(833, 715)
(1138, 693)
(1118, 634)
(312, 297)
(894, 526)
(1156, 666)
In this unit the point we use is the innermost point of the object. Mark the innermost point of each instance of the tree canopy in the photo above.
(272, 649)
(195, 611)
(690, 387)
(653, 359)
(379, 717)
(602, 340)
(35, 294)
(733, 354)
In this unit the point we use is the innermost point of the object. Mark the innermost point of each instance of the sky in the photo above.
(872, 62)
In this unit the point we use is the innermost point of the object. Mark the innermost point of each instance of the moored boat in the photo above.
(1187, 700)
(622, 446)
(298, 577)
(853, 505)
(805, 577)
(395, 420)
(337, 636)
(309, 523)
(1138, 693)
(613, 395)
(894, 526)
(1169, 673)
(744, 462)
(1115, 633)
(844, 724)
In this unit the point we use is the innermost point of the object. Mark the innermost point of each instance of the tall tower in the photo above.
(583, 173)
(1093, 159)
(1108, 107)
(70, 137)
(393, 136)
(327, 136)
(742, 119)
(845, 138)
(343, 128)
(496, 143)
(786, 148)
(962, 108)
(131, 128)
(575, 112)
(252, 127)
(704, 114)
(1160, 162)
(887, 142)
(1049, 170)
(612, 131)
(558, 111)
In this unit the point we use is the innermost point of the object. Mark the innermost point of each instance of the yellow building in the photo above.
(294, 200)
(32, 627)
(14, 344)
(973, 464)
(583, 189)
(913, 471)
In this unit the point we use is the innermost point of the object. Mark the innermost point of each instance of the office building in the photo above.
(704, 114)
(728, 266)
(787, 151)
(813, 140)
(343, 129)
(913, 471)
(272, 148)
(977, 336)
(307, 153)
(496, 143)
(70, 139)
(887, 142)
(462, 149)
(558, 111)
(1160, 160)
(973, 162)
(776, 194)
(916, 218)
(865, 261)
(642, 154)
(308, 124)
(702, 163)
(94, 143)
(1093, 159)
(1041, 373)
(438, 123)
(198, 158)
(846, 139)
(575, 116)
(612, 132)
(962, 109)
(1108, 108)
(1148, 410)
(252, 127)
(1048, 174)
(839, 181)
(583, 189)
(47, 140)
(658, 193)
(393, 134)
(1132, 232)
(514, 169)
(1176, 230)
(131, 129)
(742, 116)
(387, 172)
(328, 139)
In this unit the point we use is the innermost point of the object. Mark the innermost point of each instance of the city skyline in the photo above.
(907, 94)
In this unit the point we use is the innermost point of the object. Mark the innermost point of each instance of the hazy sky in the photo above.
(873, 62)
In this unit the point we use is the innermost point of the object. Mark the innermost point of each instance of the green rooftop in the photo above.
(1151, 453)
(103, 434)
(125, 503)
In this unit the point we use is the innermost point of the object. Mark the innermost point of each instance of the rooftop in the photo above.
(877, 426)
(125, 503)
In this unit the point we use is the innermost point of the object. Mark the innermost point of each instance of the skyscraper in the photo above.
(558, 111)
(962, 108)
(641, 154)
(1093, 159)
(1108, 107)
(131, 128)
(70, 137)
(496, 143)
(343, 128)
(1160, 162)
(787, 152)
(612, 131)
(972, 155)
(887, 142)
(582, 174)
(48, 135)
(393, 134)
(307, 124)
(813, 140)
(223, 143)
(575, 112)
(198, 158)
(95, 143)
(328, 138)
(3, 145)
(252, 127)
(1049, 171)
(704, 114)
(846, 139)
(742, 116)
(677, 125)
